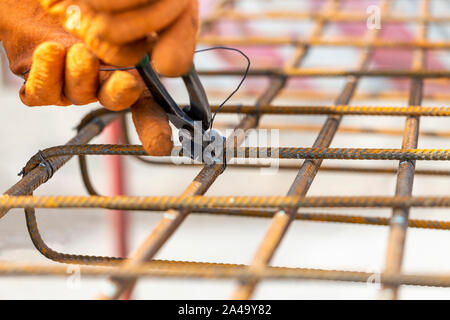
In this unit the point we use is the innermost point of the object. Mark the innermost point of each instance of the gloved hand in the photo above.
(63, 71)
(120, 32)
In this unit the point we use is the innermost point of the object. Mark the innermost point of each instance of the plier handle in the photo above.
(195, 118)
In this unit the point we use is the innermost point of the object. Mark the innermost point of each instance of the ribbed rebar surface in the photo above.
(281, 210)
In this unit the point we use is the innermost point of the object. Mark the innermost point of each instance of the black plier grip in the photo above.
(198, 109)
(195, 118)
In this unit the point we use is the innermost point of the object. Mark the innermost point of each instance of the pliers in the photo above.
(194, 119)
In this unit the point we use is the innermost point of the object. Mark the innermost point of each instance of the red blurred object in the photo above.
(119, 219)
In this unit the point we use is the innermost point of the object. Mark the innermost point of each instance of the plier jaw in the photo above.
(194, 121)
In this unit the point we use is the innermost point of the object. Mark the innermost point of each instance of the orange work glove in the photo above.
(63, 71)
(120, 32)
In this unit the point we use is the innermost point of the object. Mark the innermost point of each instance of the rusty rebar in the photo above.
(342, 129)
(339, 110)
(193, 202)
(325, 217)
(90, 127)
(173, 219)
(349, 16)
(60, 257)
(405, 176)
(282, 220)
(329, 73)
(294, 166)
(295, 94)
(223, 271)
(282, 210)
(334, 42)
(250, 152)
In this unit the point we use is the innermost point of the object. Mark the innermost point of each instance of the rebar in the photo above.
(168, 224)
(340, 110)
(281, 210)
(222, 271)
(336, 17)
(325, 217)
(282, 220)
(335, 42)
(250, 152)
(405, 176)
(329, 73)
(342, 129)
(91, 126)
(163, 203)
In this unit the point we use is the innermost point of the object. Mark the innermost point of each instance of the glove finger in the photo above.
(117, 5)
(136, 24)
(82, 21)
(152, 126)
(81, 77)
(104, 5)
(117, 55)
(173, 53)
(119, 91)
(48, 3)
(45, 81)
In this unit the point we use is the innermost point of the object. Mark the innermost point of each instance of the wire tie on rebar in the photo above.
(47, 165)
(22, 172)
(44, 163)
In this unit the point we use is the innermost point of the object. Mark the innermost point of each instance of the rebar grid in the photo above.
(405, 175)
(282, 211)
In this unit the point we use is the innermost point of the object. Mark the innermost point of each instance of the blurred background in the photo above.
(24, 131)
